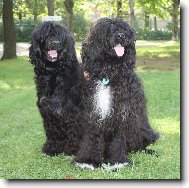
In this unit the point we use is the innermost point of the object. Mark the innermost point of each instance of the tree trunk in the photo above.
(175, 19)
(119, 8)
(131, 15)
(69, 7)
(20, 16)
(155, 23)
(146, 20)
(35, 11)
(50, 5)
(9, 31)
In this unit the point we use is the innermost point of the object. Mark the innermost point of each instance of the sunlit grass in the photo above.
(4, 85)
(158, 55)
(157, 48)
(157, 43)
(22, 133)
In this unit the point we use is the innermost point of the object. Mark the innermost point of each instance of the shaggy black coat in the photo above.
(115, 115)
(58, 79)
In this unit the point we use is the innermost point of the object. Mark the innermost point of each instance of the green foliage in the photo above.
(159, 8)
(1, 8)
(59, 8)
(27, 9)
(21, 9)
(147, 34)
(24, 29)
(81, 26)
(85, 13)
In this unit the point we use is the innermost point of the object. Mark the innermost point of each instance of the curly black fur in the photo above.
(124, 127)
(58, 79)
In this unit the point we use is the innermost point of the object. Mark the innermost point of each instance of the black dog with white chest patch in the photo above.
(115, 115)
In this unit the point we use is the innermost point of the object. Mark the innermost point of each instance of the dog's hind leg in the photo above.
(53, 148)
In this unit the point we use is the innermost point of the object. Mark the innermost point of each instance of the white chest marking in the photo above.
(102, 100)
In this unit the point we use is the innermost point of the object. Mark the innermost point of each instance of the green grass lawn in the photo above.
(22, 134)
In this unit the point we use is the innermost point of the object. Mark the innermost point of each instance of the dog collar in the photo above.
(105, 81)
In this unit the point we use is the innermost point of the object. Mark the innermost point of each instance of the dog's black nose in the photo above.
(121, 35)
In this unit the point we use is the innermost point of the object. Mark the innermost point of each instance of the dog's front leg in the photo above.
(115, 153)
(91, 151)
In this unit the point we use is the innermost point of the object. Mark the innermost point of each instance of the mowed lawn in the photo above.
(22, 135)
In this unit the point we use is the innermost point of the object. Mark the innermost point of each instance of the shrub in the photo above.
(146, 34)
(81, 25)
(24, 29)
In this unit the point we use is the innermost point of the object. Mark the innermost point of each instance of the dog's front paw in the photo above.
(112, 168)
(84, 165)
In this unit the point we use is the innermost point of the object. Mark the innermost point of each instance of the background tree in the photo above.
(1, 8)
(69, 4)
(20, 9)
(146, 19)
(175, 19)
(79, 15)
(36, 7)
(163, 9)
(119, 8)
(131, 12)
(9, 30)
(50, 5)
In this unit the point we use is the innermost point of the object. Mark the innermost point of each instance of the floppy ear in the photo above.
(70, 45)
(97, 38)
(89, 55)
(34, 49)
(37, 38)
(95, 43)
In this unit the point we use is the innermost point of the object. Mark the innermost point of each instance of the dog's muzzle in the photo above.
(119, 50)
(52, 55)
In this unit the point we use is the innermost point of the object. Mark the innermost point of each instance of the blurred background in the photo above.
(152, 20)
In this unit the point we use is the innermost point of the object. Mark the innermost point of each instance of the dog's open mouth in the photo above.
(119, 50)
(52, 55)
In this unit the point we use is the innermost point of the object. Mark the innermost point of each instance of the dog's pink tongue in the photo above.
(119, 50)
(52, 53)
